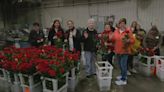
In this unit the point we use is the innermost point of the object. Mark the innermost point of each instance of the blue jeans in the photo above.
(90, 58)
(122, 61)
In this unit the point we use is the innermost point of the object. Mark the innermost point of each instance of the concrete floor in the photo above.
(136, 83)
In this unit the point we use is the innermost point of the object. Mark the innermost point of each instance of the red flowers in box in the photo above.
(147, 51)
(47, 60)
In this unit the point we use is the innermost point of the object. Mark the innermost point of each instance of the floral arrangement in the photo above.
(58, 40)
(125, 40)
(147, 51)
(48, 60)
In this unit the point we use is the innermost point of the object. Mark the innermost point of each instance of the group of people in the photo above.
(121, 41)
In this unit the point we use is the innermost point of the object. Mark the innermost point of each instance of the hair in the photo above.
(36, 24)
(91, 20)
(107, 23)
(133, 23)
(70, 21)
(122, 20)
(55, 22)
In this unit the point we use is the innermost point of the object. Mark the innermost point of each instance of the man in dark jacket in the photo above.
(73, 37)
(36, 37)
(89, 40)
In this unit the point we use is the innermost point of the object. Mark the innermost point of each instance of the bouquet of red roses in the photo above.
(125, 40)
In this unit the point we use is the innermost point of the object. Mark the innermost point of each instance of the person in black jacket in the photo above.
(73, 37)
(89, 40)
(56, 33)
(36, 37)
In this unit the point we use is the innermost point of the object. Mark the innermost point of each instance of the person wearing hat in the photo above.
(123, 39)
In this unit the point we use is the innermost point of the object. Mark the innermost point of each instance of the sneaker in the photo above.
(88, 76)
(119, 77)
(133, 70)
(128, 73)
(120, 82)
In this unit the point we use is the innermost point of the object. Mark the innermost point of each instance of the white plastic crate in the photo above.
(160, 74)
(160, 67)
(72, 83)
(3, 74)
(73, 79)
(104, 75)
(31, 82)
(159, 60)
(104, 83)
(52, 85)
(14, 82)
(148, 67)
(4, 86)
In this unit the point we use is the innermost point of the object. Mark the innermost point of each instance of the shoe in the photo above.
(119, 77)
(120, 82)
(128, 73)
(133, 70)
(88, 76)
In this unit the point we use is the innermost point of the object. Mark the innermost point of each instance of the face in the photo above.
(107, 27)
(70, 25)
(138, 26)
(91, 24)
(36, 28)
(56, 24)
(122, 25)
(134, 24)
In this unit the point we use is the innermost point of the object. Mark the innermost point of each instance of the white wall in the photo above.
(81, 13)
(151, 12)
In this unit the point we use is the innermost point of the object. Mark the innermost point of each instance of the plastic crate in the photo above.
(160, 74)
(14, 82)
(104, 75)
(3, 74)
(32, 83)
(72, 83)
(55, 85)
(73, 79)
(160, 67)
(4, 86)
(148, 66)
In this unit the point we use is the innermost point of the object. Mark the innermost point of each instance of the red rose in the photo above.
(57, 63)
(127, 31)
(59, 34)
(62, 70)
(52, 73)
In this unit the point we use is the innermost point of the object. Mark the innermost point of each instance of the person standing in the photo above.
(89, 41)
(36, 37)
(107, 45)
(73, 37)
(123, 39)
(56, 34)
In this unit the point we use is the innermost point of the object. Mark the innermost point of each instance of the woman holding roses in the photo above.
(123, 39)
(107, 45)
(56, 34)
